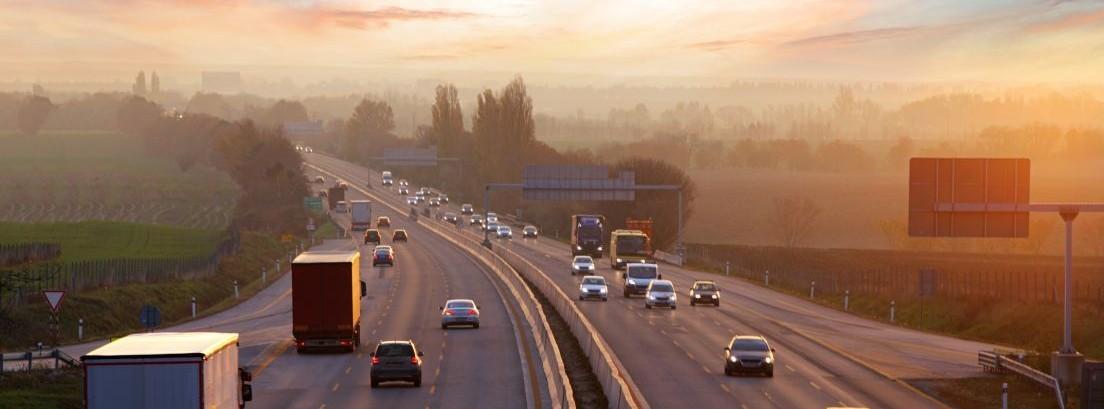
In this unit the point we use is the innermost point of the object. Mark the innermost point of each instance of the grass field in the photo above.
(97, 240)
(733, 204)
(61, 389)
(65, 176)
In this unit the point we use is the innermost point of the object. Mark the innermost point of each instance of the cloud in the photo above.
(1070, 21)
(379, 18)
(718, 45)
(854, 37)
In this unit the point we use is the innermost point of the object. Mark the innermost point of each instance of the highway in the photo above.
(825, 357)
(463, 368)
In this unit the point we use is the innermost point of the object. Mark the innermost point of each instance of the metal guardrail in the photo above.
(668, 258)
(995, 361)
(559, 386)
(30, 357)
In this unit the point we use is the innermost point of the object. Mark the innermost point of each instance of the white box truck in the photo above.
(193, 370)
(362, 215)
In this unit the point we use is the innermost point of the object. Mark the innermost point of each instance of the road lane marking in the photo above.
(790, 368)
(323, 406)
(743, 406)
(706, 370)
(689, 355)
(348, 369)
(334, 388)
(432, 389)
(437, 372)
(726, 388)
(814, 385)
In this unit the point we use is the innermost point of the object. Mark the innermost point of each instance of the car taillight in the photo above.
(448, 312)
(375, 360)
(414, 360)
(472, 312)
(346, 342)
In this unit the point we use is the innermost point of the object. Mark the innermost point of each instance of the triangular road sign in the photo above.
(54, 298)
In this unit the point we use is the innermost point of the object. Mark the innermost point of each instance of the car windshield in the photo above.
(662, 287)
(530, 228)
(706, 287)
(460, 304)
(630, 244)
(584, 260)
(394, 350)
(642, 272)
(400, 234)
(382, 252)
(590, 231)
(373, 234)
(594, 281)
(749, 344)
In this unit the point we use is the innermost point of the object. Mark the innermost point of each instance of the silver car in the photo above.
(459, 312)
(504, 232)
(593, 287)
(413, 201)
(661, 293)
(582, 265)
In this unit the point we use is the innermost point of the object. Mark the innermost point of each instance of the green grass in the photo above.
(48, 389)
(70, 176)
(985, 392)
(112, 312)
(97, 240)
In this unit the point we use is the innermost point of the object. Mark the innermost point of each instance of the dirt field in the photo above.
(733, 203)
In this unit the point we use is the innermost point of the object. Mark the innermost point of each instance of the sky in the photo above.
(600, 41)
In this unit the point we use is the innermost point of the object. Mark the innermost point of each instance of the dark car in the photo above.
(466, 208)
(404, 191)
(529, 231)
(399, 235)
(396, 361)
(383, 255)
(749, 354)
(372, 236)
(705, 292)
(444, 198)
(383, 221)
(451, 217)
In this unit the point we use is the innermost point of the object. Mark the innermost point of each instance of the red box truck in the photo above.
(325, 300)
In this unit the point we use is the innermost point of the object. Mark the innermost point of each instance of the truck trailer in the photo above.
(170, 370)
(325, 300)
(334, 195)
(361, 215)
(587, 234)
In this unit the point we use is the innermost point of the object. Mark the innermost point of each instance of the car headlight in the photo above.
(632, 282)
(651, 296)
(618, 260)
(582, 289)
(768, 359)
(602, 290)
(714, 296)
(697, 295)
(732, 358)
(578, 247)
(599, 248)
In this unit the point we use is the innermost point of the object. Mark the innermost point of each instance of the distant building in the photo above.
(222, 81)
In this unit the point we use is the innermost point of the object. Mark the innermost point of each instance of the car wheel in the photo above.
(418, 382)
(626, 293)
(300, 350)
(444, 326)
(572, 272)
(691, 303)
(769, 373)
(674, 306)
(604, 299)
(477, 325)
(647, 306)
(727, 372)
(580, 298)
(375, 383)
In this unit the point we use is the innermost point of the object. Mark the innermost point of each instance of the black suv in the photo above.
(372, 236)
(705, 292)
(396, 361)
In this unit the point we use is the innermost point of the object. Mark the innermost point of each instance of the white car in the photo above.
(342, 207)
(660, 293)
(504, 232)
(413, 201)
(593, 287)
(582, 265)
(492, 217)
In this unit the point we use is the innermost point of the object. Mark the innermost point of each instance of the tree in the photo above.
(33, 113)
(792, 219)
(139, 87)
(136, 114)
(267, 168)
(900, 153)
(212, 104)
(657, 205)
(155, 84)
(284, 111)
(370, 120)
(448, 120)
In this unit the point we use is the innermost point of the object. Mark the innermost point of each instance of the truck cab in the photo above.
(638, 276)
(629, 246)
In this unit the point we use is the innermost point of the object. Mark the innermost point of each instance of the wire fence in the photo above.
(875, 273)
(19, 284)
(23, 253)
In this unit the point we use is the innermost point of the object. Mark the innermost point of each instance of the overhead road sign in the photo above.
(421, 157)
(968, 197)
(572, 182)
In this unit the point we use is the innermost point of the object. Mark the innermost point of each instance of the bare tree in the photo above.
(792, 219)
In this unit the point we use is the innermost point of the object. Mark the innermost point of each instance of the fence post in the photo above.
(727, 266)
(812, 290)
(193, 307)
(892, 311)
(846, 296)
(80, 329)
(264, 276)
(766, 278)
(236, 295)
(1004, 395)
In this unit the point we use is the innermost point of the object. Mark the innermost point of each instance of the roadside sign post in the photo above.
(979, 197)
(54, 298)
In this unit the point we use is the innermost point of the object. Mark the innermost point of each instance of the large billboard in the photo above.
(576, 182)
